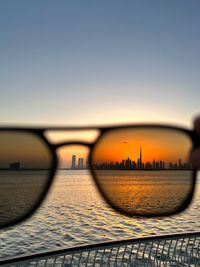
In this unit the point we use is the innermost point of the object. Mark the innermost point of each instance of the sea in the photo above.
(74, 213)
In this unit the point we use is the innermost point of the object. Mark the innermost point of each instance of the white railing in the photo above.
(165, 250)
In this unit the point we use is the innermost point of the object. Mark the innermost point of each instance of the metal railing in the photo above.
(166, 250)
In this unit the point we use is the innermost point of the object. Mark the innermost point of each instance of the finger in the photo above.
(195, 158)
(197, 125)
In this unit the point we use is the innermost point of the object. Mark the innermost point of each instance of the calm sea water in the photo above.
(74, 213)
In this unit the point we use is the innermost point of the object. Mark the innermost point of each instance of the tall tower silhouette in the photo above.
(140, 155)
(73, 162)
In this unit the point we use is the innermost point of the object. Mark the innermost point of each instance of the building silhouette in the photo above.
(15, 166)
(179, 164)
(80, 163)
(73, 161)
(140, 156)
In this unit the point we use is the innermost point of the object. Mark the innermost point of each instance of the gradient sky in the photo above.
(99, 62)
(158, 144)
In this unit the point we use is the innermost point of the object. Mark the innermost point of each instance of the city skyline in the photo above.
(80, 164)
(158, 164)
(154, 165)
(130, 164)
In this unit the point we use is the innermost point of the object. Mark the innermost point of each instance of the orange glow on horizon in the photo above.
(159, 144)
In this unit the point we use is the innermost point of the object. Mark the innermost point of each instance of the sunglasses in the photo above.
(140, 170)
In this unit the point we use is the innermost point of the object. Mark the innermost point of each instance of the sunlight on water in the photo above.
(146, 192)
(74, 213)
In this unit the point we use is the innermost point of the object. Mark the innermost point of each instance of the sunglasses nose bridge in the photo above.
(71, 136)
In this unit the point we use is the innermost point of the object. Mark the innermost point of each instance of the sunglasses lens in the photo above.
(25, 163)
(144, 171)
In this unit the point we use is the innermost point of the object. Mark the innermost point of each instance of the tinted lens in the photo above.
(144, 171)
(25, 162)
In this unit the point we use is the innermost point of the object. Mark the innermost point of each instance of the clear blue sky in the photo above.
(96, 62)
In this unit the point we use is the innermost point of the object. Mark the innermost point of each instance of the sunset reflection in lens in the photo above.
(144, 171)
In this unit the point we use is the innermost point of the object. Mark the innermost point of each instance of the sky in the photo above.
(154, 144)
(99, 62)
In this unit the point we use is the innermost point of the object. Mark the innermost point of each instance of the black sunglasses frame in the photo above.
(40, 132)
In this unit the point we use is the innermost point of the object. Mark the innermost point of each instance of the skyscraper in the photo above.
(140, 156)
(179, 164)
(73, 161)
(80, 163)
(154, 163)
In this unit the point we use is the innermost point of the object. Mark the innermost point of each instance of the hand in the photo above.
(195, 153)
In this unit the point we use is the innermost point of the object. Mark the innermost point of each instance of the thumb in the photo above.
(197, 125)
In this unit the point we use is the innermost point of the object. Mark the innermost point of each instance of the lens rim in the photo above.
(191, 135)
(52, 169)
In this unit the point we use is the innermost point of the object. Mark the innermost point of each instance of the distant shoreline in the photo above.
(132, 169)
(69, 169)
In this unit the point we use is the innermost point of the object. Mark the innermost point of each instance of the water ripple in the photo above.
(67, 219)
